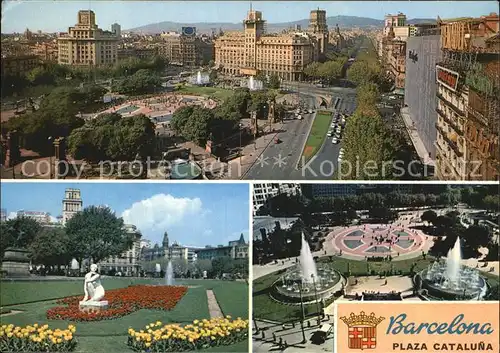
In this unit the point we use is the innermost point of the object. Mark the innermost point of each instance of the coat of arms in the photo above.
(362, 330)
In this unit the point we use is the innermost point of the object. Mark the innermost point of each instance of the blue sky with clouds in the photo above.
(55, 16)
(192, 214)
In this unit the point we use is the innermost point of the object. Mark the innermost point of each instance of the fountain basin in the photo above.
(287, 289)
(469, 285)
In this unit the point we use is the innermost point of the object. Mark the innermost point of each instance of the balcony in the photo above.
(449, 122)
(449, 141)
(450, 105)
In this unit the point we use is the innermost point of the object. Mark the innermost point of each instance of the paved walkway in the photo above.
(238, 167)
(415, 138)
(213, 306)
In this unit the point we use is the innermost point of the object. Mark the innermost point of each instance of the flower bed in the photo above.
(36, 339)
(200, 334)
(121, 302)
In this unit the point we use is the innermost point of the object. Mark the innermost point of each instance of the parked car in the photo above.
(330, 133)
(335, 140)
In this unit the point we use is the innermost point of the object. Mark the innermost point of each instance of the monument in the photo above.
(94, 291)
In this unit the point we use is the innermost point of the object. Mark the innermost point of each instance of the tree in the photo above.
(50, 248)
(367, 144)
(96, 233)
(19, 232)
(142, 81)
(274, 82)
(259, 104)
(429, 216)
(492, 203)
(222, 265)
(113, 137)
(56, 117)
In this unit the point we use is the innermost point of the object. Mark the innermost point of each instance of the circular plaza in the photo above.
(379, 240)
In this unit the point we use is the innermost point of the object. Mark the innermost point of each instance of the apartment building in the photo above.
(186, 48)
(19, 65)
(86, 44)
(467, 100)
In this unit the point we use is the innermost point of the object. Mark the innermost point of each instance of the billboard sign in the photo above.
(447, 77)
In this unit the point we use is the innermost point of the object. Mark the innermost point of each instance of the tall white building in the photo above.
(72, 203)
(263, 191)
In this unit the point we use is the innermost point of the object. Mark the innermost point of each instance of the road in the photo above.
(324, 164)
(269, 167)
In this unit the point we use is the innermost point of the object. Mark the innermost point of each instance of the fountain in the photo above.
(200, 79)
(307, 281)
(450, 280)
(157, 270)
(74, 265)
(307, 264)
(255, 85)
(169, 275)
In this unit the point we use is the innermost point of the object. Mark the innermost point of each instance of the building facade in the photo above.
(174, 251)
(423, 52)
(41, 217)
(72, 203)
(253, 51)
(467, 145)
(186, 48)
(18, 65)
(237, 249)
(86, 44)
(128, 263)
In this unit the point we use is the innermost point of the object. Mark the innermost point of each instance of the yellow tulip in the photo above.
(148, 344)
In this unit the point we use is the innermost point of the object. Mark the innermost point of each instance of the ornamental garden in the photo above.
(142, 316)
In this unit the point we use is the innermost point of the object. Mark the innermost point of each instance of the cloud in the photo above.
(162, 211)
(208, 232)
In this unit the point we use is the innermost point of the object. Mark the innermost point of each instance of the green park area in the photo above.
(214, 92)
(29, 302)
(317, 135)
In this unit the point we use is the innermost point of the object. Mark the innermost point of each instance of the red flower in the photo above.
(122, 302)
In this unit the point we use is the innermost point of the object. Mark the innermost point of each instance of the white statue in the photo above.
(92, 287)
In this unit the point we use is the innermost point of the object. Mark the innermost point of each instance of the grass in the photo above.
(317, 135)
(111, 335)
(217, 93)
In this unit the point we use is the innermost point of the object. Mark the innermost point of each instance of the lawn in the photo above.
(217, 93)
(111, 335)
(317, 135)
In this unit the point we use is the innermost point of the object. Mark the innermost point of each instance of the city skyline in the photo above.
(187, 212)
(58, 16)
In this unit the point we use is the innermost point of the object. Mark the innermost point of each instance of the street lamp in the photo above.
(240, 125)
(303, 314)
(50, 156)
(316, 297)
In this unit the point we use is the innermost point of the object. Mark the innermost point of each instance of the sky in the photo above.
(57, 16)
(192, 214)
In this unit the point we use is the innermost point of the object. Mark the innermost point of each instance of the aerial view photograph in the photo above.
(302, 90)
(124, 267)
(315, 245)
